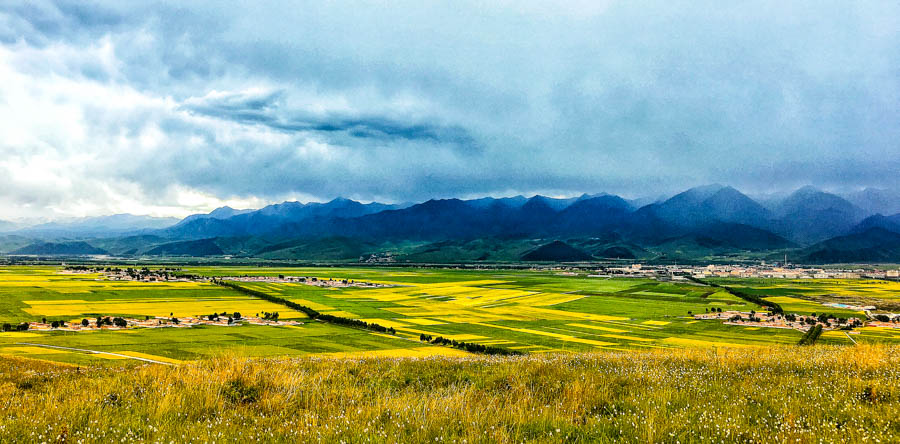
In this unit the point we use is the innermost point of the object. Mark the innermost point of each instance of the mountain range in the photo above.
(702, 223)
(117, 224)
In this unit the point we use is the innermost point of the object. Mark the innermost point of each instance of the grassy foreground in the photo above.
(773, 394)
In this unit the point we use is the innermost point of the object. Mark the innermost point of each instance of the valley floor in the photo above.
(776, 394)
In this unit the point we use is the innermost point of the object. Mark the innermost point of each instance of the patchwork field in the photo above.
(860, 292)
(529, 311)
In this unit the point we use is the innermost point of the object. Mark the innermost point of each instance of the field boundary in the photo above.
(96, 352)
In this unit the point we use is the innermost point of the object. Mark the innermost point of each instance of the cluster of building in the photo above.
(176, 275)
(790, 321)
(314, 281)
(680, 272)
(156, 322)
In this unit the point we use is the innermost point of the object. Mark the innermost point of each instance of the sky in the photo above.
(172, 108)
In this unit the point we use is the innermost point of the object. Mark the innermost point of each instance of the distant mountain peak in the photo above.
(340, 200)
(806, 189)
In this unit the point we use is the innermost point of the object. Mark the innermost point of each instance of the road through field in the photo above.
(95, 352)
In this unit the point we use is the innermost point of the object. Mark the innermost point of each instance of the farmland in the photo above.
(884, 294)
(531, 312)
(601, 360)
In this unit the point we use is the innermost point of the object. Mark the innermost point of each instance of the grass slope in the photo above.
(781, 394)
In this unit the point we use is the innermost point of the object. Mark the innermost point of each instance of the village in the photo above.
(773, 271)
(118, 323)
(788, 321)
(176, 275)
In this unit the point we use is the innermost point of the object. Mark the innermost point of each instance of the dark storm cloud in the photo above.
(265, 109)
(431, 99)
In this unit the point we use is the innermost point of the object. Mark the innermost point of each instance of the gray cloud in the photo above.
(144, 104)
(264, 108)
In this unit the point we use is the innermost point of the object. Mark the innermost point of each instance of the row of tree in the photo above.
(235, 316)
(331, 319)
(749, 297)
(18, 327)
(468, 346)
(812, 335)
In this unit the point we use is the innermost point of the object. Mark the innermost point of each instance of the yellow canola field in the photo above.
(562, 337)
(30, 350)
(417, 352)
(158, 307)
(688, 342)
(148, 356)
(598, 327)
(423, 321)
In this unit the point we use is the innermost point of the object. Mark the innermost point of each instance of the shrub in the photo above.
(238, 391)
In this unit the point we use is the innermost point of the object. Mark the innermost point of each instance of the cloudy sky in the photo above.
(168, 108)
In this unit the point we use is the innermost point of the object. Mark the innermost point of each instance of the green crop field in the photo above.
(527, 311)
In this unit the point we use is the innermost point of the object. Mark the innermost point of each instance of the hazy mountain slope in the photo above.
(874, 200)
(890, 223)
(722, 239)
(809, 215)
(118, 224)
(269, 219)
(872, 245)
(593, 216)
(329, 248)
(702, 205)
(731, 206)
(486, 249)
(556, 251)
(484, 202)
(195, 248)
(6, 226)
(59, 249)
(11, 242)
(219, 213)
(129, 245)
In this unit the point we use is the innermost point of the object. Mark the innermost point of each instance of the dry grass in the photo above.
(776, 394)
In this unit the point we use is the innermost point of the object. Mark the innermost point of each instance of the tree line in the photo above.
(812, 335)
(749, 297)
(469, 347)
(313, 314)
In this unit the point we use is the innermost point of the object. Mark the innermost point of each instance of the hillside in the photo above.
(75, 248)
(872, 245)
(889, 223)
(693, 395)
(7, 226)
(102, 226)
(875, 200)
(810, 215)
(202, 247)
(556, 251)
(11, 242)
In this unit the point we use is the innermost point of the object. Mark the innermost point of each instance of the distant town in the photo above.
(775, 271)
